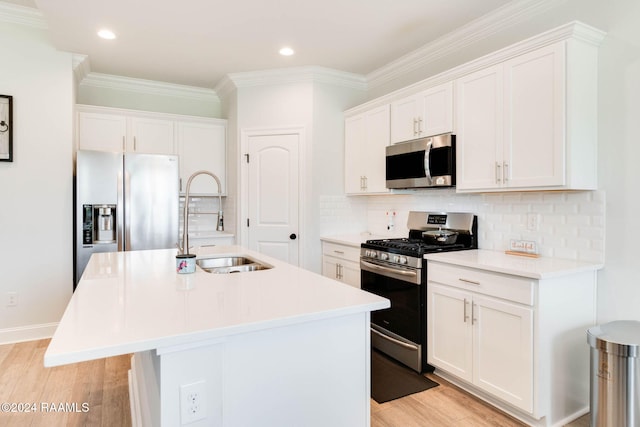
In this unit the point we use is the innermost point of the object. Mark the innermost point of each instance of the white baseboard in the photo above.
(27, 333)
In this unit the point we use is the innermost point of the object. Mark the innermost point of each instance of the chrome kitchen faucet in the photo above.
(185, 227)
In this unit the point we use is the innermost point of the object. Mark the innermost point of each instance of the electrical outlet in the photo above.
(192, 402)
(533, 221)
(12, 299)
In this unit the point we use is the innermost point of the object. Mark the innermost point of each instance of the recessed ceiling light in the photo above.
(106, 34)
(286, 51)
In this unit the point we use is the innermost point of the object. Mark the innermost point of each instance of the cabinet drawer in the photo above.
(349, 253)
(511, 288)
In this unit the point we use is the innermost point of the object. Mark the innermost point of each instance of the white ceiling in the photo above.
(197, 42)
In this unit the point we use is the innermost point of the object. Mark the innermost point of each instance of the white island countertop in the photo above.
(135, 301)
(499, 262)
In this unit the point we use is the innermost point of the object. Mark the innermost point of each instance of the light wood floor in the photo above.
(444, 406)
(103, 386)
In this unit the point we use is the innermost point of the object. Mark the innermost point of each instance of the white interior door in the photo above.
(273, 184)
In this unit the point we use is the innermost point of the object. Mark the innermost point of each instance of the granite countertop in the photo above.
(499, 262)
(135, 301)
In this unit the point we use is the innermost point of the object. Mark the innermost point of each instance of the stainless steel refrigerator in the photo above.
(124, 202)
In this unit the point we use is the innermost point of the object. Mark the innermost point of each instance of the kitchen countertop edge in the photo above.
(499, 262)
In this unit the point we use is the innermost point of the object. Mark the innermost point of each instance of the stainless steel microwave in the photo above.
(425, 162)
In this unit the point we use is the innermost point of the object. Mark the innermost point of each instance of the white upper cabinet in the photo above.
(529, 122)
(427, 113)
(152, 136)
(101, 131)
(202, 146)
(479, 138)
(118, 131)
(366, 136)
(199, 142)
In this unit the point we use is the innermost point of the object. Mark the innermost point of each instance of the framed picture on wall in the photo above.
(6, 128)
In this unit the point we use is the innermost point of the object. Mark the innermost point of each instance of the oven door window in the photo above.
(403, 317)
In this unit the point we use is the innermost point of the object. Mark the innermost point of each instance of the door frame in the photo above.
(243, 212)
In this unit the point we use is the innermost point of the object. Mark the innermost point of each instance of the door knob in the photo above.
(293, 236)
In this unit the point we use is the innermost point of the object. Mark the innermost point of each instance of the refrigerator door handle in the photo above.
(127, 211)
(120, 212)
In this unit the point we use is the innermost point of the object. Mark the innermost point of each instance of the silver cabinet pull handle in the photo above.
(505, 171)
(339, 252)
(464, 316)
(474, 320)
(498, 173)
(473, 282)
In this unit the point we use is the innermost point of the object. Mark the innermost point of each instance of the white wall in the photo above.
(318, 107)
(159, 97)
(36, 189)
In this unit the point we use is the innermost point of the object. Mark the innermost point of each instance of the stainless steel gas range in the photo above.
(395, 269)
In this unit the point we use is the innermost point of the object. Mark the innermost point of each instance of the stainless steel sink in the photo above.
(231, 264)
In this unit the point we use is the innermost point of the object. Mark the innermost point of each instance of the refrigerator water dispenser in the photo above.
(99, 224)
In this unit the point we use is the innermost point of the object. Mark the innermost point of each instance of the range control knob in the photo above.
(396, 258)
(372, 254)
(403, 260)
(384, 256)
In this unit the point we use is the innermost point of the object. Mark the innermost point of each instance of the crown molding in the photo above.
(149, 87)
(81, 67)
(492, 23)
(574, 30)
(224, 87)
(291, 75)
(22, 15)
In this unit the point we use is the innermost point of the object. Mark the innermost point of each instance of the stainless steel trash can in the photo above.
(615, 374)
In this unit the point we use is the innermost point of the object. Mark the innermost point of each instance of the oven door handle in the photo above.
(395, 341)
(389, 270)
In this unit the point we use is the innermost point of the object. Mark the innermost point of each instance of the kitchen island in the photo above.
(275, 347)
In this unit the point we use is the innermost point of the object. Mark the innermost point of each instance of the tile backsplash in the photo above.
(203, 216)
(568, 225)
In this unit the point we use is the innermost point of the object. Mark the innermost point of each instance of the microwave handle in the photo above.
(427, 160)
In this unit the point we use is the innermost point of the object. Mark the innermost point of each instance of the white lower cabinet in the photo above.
(517, 342)
(341, 262)
(483, 340)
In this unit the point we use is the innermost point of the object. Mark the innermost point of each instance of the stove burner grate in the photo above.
(411, 246)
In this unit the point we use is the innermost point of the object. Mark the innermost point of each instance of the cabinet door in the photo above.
(404, 119)
(345, 271)
(152, 136)
(437, 110)
(330, 267)
(503, 350)
(449, 330)
(534, 118)
(202, 146)
(350, 273)
(479, 124)
(374, 154)
(366, 136)
(102, 132)
(354, 143)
